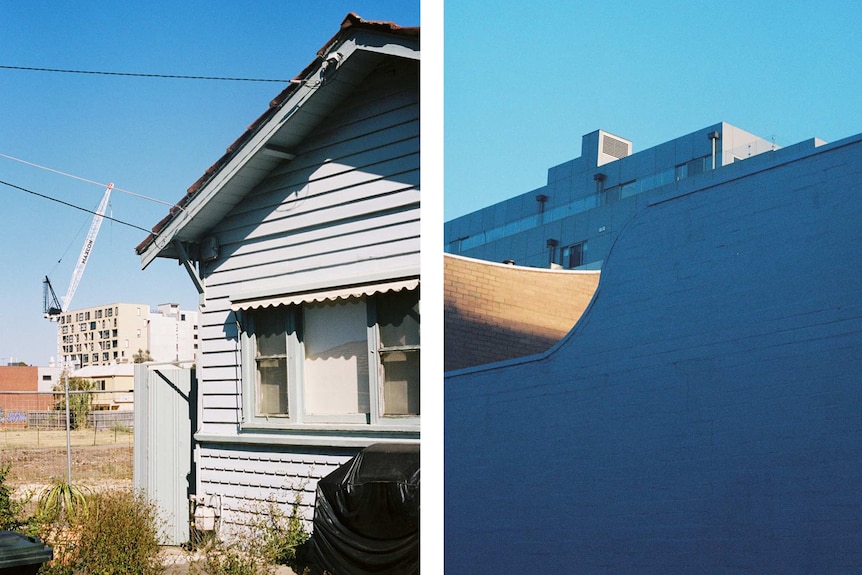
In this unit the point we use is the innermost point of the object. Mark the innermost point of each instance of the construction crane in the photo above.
(52, 308)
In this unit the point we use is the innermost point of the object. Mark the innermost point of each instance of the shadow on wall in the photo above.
(469, 342)
(496, 312)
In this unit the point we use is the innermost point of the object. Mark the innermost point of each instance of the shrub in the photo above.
(10, 508)
(119, 535)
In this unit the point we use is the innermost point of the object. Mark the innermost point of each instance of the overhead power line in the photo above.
(137, 75)
(74, 206)
(79, 178)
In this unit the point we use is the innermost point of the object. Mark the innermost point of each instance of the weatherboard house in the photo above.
(704, 414)
(303, 243)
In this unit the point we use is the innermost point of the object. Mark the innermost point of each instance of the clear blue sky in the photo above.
(522, 85)
(525, 81)
(153, 137)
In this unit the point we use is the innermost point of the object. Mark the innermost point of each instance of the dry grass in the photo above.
(38, 457)
(21, 438)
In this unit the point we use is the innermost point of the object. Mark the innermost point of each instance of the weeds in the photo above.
(282, 535)
(110, 533)
(10, 508)
(275, 538)
(230, 560)
(117, 533)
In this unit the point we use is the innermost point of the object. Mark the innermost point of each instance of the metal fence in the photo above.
(96, 448)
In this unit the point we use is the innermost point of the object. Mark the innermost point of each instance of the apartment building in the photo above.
(574, 219)
(173, 334)
(103, 334)
(116, 333)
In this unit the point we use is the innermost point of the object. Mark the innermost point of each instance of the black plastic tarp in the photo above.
(366, 516)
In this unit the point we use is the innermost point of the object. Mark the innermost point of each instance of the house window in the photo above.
(398, 322)
(336, 360)
(271, 362)
(351, 361)
(573, 256)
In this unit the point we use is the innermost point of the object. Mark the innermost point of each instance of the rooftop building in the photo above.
(573, 220)
(705, 408)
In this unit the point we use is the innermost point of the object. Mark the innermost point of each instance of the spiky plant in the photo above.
(62, 502)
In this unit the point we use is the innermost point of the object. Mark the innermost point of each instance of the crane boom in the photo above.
(87, 248)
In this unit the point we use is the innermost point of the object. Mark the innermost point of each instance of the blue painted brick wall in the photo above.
(705, 416)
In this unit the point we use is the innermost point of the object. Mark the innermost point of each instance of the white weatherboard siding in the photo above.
(245, 479)
(345, 209)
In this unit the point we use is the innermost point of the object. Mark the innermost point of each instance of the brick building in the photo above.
(22, 389)
(495, 312)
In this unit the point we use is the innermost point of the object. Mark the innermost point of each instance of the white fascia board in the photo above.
(397, 50)
(405, 48)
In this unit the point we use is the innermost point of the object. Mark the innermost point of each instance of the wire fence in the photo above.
(95, 450)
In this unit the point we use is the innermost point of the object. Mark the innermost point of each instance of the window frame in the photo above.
(566, 255)
(296, 418)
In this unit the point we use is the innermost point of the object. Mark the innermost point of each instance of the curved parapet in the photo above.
(495, 312)
(705, 414)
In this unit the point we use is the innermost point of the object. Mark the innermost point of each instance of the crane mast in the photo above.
(51, 310)
(87, 248)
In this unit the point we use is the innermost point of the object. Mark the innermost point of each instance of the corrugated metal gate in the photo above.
(165, 419)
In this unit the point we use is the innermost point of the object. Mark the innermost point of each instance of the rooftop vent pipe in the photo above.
(714, 136)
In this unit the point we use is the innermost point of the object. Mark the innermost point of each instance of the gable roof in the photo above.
(351, 53)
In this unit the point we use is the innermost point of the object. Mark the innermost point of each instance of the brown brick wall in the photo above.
(19, 378)
(495, 312)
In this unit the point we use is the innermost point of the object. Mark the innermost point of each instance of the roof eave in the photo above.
(282, 108)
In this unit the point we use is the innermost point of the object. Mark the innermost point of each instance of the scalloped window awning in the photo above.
(329, 294)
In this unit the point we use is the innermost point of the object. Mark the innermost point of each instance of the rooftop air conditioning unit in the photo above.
(612, 148)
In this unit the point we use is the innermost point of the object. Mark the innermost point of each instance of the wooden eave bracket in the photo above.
(190, 268)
